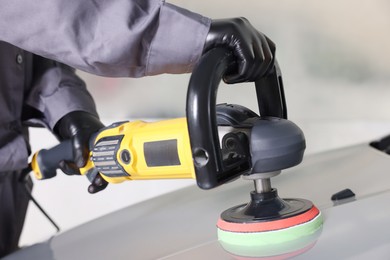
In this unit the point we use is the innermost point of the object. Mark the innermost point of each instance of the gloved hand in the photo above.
(254, 51)
(79, 126)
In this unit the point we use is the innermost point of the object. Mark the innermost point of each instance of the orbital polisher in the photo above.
(214, 144)
(267, 226)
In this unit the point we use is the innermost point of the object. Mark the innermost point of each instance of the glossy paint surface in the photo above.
(182, 224)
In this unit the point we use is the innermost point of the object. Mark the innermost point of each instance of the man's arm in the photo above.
(56, 90)
(131, 38)
(60, 100)
(120, 38)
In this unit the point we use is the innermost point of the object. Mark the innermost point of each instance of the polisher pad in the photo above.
(296, 226)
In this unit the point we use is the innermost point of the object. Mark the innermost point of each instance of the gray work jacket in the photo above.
(33, 90)
(116, 38)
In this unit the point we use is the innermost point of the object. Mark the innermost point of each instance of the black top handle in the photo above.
(210, 169)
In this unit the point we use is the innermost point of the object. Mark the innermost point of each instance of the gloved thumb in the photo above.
(80, 149)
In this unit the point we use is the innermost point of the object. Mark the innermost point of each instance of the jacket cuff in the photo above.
(178, 42)
(67, 99)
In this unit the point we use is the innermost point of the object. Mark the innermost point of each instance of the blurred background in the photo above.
(334, 57)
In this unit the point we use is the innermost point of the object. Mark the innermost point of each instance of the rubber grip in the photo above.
(210, 169)
(46, 161)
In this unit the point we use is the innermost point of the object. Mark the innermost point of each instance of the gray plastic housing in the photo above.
(275, 144)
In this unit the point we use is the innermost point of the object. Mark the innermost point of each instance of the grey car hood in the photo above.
(182, 224)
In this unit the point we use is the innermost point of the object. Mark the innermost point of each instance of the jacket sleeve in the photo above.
(56, 91)
(116, 38)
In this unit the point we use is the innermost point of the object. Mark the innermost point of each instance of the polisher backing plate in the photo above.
(252, 237)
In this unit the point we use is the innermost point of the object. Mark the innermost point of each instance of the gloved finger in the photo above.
(271, 47)
(244, 52)
(80, 150)
(262, 48)
(258, 57)
(69, 168)
(245, 57)
(261, 58)
(98, 184)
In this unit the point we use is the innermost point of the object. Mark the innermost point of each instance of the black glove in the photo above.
(254, 51)
(78, 126)
(97, 184)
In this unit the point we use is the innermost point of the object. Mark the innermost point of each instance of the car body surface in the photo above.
(182, 224)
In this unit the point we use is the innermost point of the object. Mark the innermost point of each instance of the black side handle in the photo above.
(210, 169)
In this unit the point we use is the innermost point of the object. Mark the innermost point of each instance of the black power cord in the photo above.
(23, 178)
